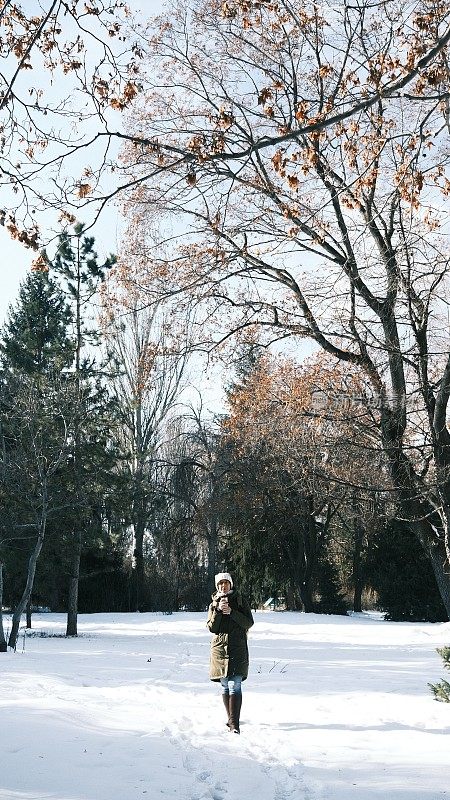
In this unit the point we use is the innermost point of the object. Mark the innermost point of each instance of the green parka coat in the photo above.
(229, 650)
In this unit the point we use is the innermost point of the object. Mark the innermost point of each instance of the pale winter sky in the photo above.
(334, 708)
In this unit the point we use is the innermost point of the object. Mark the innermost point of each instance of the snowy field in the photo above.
(334, 708)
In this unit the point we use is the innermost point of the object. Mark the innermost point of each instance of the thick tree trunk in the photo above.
(438, 558)
(421, 517)
(309, 559)
(20, 608)
(434, 547)
(306, 597)
(3, 645)
(300, 555)
(138, 567)
(28, 614)
(292, 600)
(139, 524)
(176, 595)
(446, 517)
(74, 574)
(298, 596)
(358, 542)
(212, 550)
(74, 581)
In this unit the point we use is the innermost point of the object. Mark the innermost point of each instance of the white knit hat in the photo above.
(223, 576)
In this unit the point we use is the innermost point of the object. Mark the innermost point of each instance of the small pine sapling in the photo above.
(441, 690)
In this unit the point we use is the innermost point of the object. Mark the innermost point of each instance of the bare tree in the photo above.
(193, 531)
(307, 178)
(235, 97)
(3, 643)
(40, 423)
(65, 70)
(206, 457)
(148, 379)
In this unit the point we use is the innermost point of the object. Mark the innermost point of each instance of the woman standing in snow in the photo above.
(229, 618)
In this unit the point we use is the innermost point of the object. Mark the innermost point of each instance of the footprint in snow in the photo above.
(187, 764)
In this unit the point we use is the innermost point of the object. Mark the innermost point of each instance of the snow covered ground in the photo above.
(334, 708)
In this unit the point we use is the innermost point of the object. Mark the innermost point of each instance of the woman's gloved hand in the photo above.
(224, 606)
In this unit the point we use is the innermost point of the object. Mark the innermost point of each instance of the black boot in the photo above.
(235, 712)
(226, 702)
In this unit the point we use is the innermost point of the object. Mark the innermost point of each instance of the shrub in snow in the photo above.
(441, 690)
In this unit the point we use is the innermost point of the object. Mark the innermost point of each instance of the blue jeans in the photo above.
(231, 684)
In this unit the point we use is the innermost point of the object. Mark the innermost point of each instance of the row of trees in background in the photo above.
(300, 192)
(81, 425)
(114, 501)
(285, 174)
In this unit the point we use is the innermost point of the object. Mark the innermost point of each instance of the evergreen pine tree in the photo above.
(42, 353)
(400, 573)
(36, 407)
(441, 690)
(77, 263)
(35, 338)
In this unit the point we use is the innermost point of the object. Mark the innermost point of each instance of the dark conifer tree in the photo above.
(36, 406)
(400, 573)
(81, 271)
(35, 338)
(43, 343)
